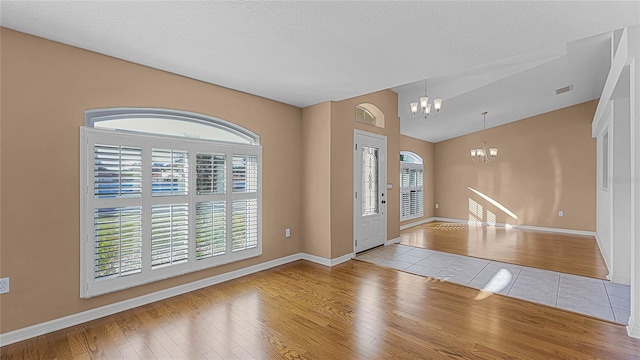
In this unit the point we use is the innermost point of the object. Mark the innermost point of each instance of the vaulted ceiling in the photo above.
(504, 57)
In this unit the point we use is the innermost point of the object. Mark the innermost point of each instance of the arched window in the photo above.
(165, 192)
(166, 122)
(411, 186)
(369, 114)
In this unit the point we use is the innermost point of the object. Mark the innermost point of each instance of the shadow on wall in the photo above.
(488, 210)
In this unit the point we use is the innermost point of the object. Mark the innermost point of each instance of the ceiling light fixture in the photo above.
(426, 105)
(481, 155)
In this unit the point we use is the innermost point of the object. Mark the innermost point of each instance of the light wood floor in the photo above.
(354, 310)
(578, 255)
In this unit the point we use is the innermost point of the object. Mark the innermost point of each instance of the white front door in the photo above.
(369, 183)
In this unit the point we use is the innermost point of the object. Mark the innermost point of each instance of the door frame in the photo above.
(382, 188)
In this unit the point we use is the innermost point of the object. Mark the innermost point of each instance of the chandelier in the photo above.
(481, 155)
(425, 105)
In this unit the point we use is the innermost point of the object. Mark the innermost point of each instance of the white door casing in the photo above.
(369, 184)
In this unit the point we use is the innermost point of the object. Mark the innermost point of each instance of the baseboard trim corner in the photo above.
(633, 330)
(341, 259)
(327, 262)
(392, 241)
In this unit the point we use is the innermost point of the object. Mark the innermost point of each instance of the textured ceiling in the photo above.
(303, 53)
(509, 90)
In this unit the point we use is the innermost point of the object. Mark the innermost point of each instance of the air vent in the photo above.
(564, 89)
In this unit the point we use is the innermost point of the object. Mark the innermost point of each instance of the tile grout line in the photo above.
(610, 304)
(628, 308)
(514, 280)
(460, 257)
(406, 254)
(481, 270)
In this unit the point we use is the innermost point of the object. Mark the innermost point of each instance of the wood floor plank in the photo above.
(355, 310)
(572, 254)
(128, 352)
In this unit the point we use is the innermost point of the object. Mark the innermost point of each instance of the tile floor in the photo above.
(598, 298)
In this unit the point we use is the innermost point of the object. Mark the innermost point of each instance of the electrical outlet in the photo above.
(437, 206)
(4, 285)
(287, 232)
(561, 213)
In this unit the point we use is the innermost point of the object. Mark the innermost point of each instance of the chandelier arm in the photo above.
(427, 108)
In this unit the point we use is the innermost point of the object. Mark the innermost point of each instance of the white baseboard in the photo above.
(316, 259)
(423, 221)
(341, 259)
(392, 241)
(604, 256)
(327, 262)
(633, 329)
(81, 317)
(556, 230)
(452, 220)
(524, 227)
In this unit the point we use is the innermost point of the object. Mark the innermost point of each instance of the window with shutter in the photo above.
(411, 186)
(169, 172)
(245, 224)
(211, 173)
(118, 171)
(211, 229)
(117, 241)
(169, 234)
(158, 206)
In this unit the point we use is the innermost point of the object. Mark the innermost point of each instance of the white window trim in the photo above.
(605, 158)
(90, 287)
(97, 115)
(376, 114)
(408, 165)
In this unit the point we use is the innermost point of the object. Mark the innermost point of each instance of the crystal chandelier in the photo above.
(425, 105)
(481, 155)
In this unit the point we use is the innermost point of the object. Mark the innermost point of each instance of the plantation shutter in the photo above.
(405, 203)
(244, 212)
(211, 227)
(211, 173)
(169, 234)
(117, 231)
(245, 224)
(169, 172)
(117, 171)
(117, 241)
(411, 190)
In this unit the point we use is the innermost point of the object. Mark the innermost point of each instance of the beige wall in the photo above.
(46, 87)
(316, 177)
(546, 163)
(342, 125)
(328, 130)
(425, 150)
